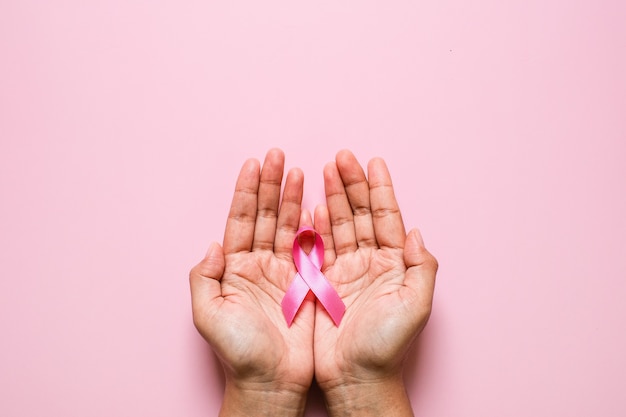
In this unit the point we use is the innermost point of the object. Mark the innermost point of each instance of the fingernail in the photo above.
(418, 237)
(211, 249)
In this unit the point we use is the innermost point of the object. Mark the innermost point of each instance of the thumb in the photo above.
(421, 269)
(204, 280)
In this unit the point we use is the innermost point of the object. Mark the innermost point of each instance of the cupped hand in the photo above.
(384, 276)
(237, 289)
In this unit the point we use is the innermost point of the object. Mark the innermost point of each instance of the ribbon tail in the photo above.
(293, 298)
(332, 303)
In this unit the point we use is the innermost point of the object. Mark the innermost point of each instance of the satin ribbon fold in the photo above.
(310, 277)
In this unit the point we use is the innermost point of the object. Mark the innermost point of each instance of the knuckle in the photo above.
(361, 211)
(384, 211)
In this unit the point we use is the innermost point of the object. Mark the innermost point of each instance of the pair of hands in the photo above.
(384, 276)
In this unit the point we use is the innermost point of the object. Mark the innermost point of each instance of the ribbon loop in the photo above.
(310, 277)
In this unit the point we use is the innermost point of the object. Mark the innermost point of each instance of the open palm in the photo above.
(384, 276)
(237, 289)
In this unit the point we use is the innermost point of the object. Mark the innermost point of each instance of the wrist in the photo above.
(261, 399)
(366, 398)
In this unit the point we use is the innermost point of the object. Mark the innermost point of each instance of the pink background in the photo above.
(123, 125)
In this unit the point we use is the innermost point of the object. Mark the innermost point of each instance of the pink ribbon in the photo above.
(310, 276)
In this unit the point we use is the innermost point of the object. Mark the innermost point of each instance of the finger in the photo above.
(307, 239)
(204, 280)
(358, 192)
(268, 198)
(421, 271)
(289, 213)
(388, 225)
(339, 210)
(305, 219)
(239, 231)
(323, 227)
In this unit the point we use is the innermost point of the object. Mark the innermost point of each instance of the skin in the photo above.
(384, 276)
(237, 289)
(386, 279)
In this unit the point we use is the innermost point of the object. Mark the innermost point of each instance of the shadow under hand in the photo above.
(417, 367)
(315, 406)
(207, 375)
